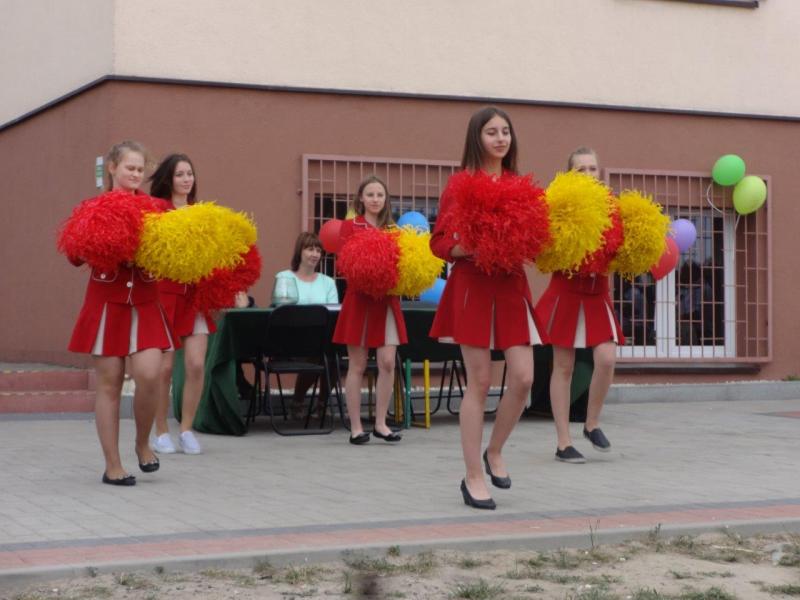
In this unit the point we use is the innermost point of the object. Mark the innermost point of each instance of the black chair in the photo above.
(342, 364)
(297, 343)
(460, 373)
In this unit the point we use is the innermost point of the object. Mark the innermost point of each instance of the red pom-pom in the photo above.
(503, 220)
(217, 291)
(104, 231)
(598, 262)
(368, 261)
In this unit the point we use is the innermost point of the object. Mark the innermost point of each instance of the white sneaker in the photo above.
(189, 443)
(162, 444)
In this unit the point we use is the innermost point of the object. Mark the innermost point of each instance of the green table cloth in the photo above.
(241, 333)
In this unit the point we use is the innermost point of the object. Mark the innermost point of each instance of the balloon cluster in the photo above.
(749, 192)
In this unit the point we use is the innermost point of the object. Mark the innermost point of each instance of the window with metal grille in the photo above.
(331, 182)
(716, 305)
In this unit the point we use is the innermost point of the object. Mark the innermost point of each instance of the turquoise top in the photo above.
(320, 291)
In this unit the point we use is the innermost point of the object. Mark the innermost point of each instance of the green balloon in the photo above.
(728, 170)
(749, 195)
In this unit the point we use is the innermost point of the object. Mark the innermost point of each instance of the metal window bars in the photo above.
(716, 305)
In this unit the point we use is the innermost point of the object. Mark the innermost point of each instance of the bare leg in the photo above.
(194, 360)
(357, 364)
(605, 356)
(146, 367)
(385, 356)
(519, 360)
(560, 381)
(165, 380)
(477, 362)
(110, 372)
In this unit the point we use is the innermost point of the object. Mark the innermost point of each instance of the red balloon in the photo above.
(668, 260)
(329, 235)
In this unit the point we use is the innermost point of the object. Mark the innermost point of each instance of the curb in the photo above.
(279, 558)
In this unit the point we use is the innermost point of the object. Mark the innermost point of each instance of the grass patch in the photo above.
(302, 575)
(786, 590)
(480, 590)
(712, 593)
(467, 562)
(594, 594)
(651, 594)
(419, 564)
(133, 581)
(263, 569)
(791, 555)
(232, 576)
(681, 574)
(95, 591)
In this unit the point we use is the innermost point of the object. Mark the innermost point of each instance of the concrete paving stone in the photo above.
(677, 461)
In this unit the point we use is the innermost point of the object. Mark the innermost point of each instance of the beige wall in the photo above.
(49, 48)
(641, 53)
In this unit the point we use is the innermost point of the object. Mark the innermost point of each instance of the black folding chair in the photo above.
(459, 372)
(342, 364)
(297, 343)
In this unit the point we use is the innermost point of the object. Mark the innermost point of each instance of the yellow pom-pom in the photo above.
(418, 268)
(579, 214)
(645, 229)
(188, 243)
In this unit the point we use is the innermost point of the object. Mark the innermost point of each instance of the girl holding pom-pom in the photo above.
(366, 321)
(483, 310)
(121, 316)
(578, 311)
(174, 181)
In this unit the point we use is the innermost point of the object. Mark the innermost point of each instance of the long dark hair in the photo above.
(385, 216)
(161, 179)
(306, 239)
(473, 156)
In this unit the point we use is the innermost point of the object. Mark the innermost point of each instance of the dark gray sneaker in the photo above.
(598, 439)
(570, 455)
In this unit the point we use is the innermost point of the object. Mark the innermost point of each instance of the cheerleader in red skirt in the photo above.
(365, 322)
(579, 314)
(482, 312)
(121, 316)
(174, 181)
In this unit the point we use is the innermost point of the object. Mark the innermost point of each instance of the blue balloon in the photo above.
(434, 293)
(416, 219)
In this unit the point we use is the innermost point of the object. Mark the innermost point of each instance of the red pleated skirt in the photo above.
(183, 318)
(487, 311)
(110, 329)
(578, 313)
(365, 321)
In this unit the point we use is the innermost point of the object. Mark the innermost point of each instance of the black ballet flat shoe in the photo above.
(389, 437)
(487, 504)
(360, 439)
(499, 482)
(150, 467)
(128, 480)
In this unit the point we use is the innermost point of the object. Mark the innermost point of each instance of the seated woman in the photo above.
(312, 288)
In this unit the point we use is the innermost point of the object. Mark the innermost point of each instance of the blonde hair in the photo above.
(116, 154)
(582, 151)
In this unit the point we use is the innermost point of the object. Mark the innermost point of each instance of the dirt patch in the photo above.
(721, 566)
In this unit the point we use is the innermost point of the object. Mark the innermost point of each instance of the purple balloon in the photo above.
(684, 234)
